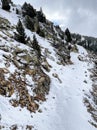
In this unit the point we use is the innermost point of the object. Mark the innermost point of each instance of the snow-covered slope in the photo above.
(64, 108)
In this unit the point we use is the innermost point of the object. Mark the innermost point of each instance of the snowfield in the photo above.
(64, 108)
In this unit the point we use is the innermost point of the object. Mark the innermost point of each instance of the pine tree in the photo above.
(28, 9)
(20, 34)
(5, 4)
(41, 17)
(29, 23)
(68, 35)
(17, 11)
(36, 46)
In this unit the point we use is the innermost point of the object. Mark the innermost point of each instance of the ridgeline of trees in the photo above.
(89, 43)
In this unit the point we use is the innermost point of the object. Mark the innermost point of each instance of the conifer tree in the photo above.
(17, 11)
(5, 4)
(29, 23)
(28, 9)
(68, 35)
(36, 46)
(20, 34)
(41, 17)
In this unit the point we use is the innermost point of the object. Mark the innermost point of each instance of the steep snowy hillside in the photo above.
(43, 83)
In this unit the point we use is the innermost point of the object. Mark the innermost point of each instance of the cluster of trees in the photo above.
(41, 17)
(32, 19)
(31, 16)
(33, 25)
(20, 36)
(89, 43)
(28, 10)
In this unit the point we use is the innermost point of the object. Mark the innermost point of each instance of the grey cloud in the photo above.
(78, 15)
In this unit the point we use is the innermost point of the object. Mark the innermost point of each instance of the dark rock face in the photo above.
(5, 4)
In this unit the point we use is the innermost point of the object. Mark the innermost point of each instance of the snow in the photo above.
(82, 38)
(12, 17)
(64, 108)
(31, 83)
(67, 110)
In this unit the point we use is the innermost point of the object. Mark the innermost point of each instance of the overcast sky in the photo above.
(79, 16)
